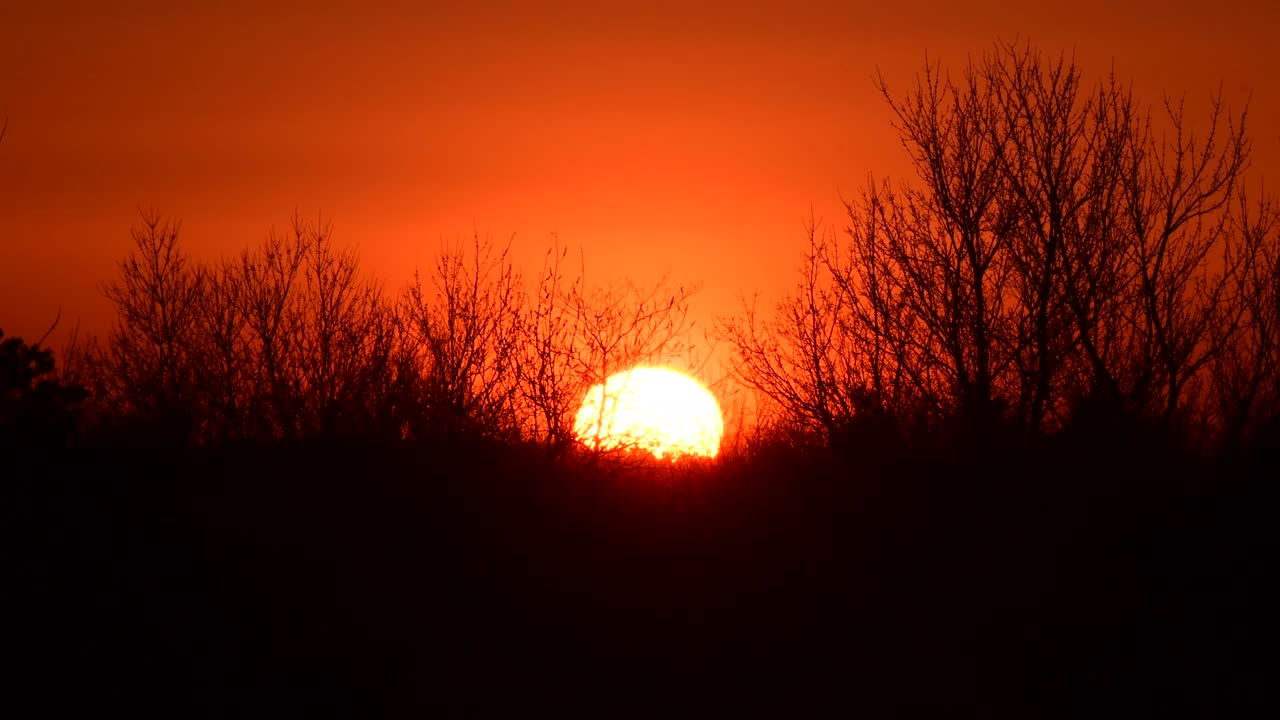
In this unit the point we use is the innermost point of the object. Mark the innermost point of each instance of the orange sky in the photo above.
(655, 137)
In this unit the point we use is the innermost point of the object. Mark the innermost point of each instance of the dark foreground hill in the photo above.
(366, 582)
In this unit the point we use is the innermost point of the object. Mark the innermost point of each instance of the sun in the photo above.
(654, 409)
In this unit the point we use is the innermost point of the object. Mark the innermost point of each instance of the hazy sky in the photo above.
(654, 136)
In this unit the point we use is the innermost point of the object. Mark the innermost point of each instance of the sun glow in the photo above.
(653, 409)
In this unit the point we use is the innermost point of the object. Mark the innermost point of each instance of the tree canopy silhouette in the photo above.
(289, 341)
(1062, 249)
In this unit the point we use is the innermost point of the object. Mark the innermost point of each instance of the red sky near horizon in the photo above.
(653, 136)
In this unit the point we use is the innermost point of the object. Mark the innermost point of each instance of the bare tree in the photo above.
(809, 357)
(465, 328)
(948, 241)
(550, 391)
(1055, 249)
(269, 278)
(222, 346)
(347, 337)
(576, 335)
(1060, 171)
(288, 341)
(1177, 188)
(917, 302)
(617, 327)
(1246, 372)
(157, 298)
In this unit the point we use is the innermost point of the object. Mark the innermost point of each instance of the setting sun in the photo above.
(655, 409)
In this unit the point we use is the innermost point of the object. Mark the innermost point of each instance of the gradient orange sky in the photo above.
(653, 135)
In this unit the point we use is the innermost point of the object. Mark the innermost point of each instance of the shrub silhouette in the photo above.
(36, 409)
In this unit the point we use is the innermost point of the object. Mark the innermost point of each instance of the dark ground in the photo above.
(368, 582)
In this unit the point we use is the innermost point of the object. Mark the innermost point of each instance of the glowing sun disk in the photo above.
(655, 409)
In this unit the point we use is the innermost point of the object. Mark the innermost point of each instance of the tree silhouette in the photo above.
(577, 334)
(347, 339)
(1177, 187)
(464, 330)
(1060, 248)
(812, 358)
(223, 345)
(1247, 370)
(150, 349)
(271, 274)
(502, 359)
(288, 342)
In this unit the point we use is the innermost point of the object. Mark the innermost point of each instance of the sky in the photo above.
(688, 138)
